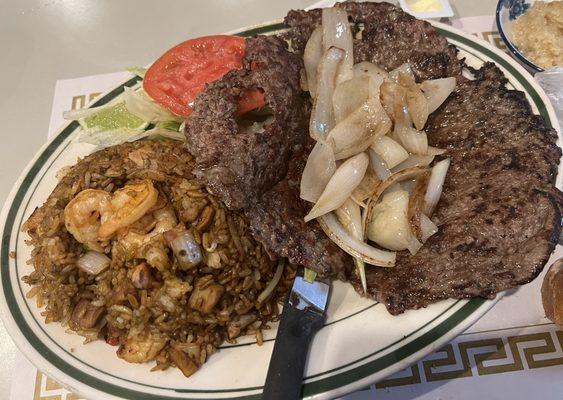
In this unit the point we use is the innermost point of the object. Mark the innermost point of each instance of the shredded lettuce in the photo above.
(131, 116)
(141, 105)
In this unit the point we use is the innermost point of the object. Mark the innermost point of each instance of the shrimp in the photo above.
(148, 245)
(129, 204)
(83, 216)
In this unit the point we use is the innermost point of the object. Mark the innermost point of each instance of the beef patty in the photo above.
(386, 36)
(248, 169)
(499, 216)
(240, 165)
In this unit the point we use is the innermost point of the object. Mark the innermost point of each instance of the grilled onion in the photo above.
(414, 141)
(427, 227)
(356, 132)
(346, 178)
(356, 248)
(389, 226)
(366, 187)
(409, 173)
(350, 217)
(337, 33)
(376, 75)
(319, 169)
(322, 115)
(389, 150)
(435, 184)
(378, 165)
(414, 160)
(349, 96)
(416, 205)
(437, 91)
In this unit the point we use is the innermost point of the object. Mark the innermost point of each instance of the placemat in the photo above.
(513, 352)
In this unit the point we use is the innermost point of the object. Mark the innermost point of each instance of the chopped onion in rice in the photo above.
(435, 184)
(378, 165)
(356, 248)
(319, 169)
(311, 59)
(427, 227)
(350, 217)
(349, 96)
(355, 133)
(389, 226)
(437, 91)
(93, 262)
(340, 186)
(414, 160)
(337, 33)
(389, 150)
(186, 249)
(322, 115)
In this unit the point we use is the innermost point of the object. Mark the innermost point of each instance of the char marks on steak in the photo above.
(498, 217)
(236, 165)
(385, 36)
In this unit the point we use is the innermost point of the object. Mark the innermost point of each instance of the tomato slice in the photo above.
(175, 79)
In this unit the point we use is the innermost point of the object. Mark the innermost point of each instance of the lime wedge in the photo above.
(111, 118)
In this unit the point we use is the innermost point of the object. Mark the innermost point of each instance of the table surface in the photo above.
(45, 40)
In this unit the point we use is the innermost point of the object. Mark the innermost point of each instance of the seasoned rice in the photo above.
(161, 322)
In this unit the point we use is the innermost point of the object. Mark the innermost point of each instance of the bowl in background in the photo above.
(507, 12)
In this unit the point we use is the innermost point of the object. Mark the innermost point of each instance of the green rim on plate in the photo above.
(348, 374)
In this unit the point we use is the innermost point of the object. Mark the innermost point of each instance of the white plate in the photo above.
(360, 344)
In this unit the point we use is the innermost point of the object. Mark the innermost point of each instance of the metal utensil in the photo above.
(303, 315)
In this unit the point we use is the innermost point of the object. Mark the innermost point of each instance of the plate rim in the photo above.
(81, 388)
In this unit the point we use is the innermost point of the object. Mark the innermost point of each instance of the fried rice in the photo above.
(147, 302)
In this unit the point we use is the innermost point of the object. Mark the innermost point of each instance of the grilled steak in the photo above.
(240, 165)
(499, 215)
(386, 36)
